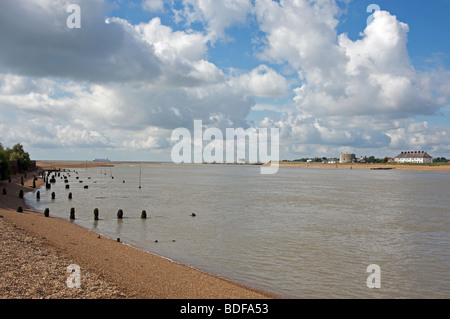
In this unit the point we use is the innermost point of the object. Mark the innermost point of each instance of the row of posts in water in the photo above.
(72, 210)
(52, 179)
(96, 214)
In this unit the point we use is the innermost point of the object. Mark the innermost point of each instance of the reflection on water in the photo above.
(302, 233)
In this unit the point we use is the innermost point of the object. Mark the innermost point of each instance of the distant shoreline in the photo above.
(409, 167)
(50, 164)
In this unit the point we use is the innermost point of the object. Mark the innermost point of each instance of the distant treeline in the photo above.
(440, 160)
(16, 153)
(315, 159)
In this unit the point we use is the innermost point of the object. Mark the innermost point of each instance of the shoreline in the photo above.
(405, 167)
(108, 269)
(393, 166)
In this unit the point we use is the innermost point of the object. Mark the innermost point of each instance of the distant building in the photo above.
(362, 159)
(419, 157)
(347, 158)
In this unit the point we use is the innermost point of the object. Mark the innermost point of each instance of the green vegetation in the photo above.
(5, 167)
(16, 153)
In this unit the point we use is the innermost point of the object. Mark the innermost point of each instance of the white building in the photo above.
(419, 157)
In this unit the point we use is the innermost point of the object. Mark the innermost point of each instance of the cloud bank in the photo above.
(117, 86)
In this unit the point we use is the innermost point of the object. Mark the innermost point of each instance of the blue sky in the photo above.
(314, 69)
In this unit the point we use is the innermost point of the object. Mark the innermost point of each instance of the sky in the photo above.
(333, 76)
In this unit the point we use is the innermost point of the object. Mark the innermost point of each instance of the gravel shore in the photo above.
(32, 269)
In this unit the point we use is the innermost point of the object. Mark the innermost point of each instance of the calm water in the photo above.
(302, 233)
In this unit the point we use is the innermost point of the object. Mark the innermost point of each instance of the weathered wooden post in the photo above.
(21, 180)
(4, 191)
(53, 195)
(70, 196)
(38, 195)
(21, 194)
(72, 213)
(67, 186)
(20, 209)
(120, 214)
(47, 212)
(96, 214)
(144, 214)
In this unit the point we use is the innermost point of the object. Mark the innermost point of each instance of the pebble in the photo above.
(32, 269)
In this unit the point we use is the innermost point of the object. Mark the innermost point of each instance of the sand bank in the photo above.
(40, 247)
(409, 167)
(48, 165)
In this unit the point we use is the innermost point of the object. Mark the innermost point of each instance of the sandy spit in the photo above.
(36, 251)
(425, 168)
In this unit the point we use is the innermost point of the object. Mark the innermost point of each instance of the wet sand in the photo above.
(33, 246)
